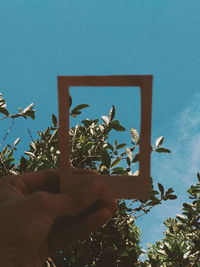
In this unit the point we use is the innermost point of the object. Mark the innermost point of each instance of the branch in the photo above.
(13, 116)
(30, 135)
(8, 131)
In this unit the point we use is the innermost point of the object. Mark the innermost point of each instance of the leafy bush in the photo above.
(181, 243)
(117, 243)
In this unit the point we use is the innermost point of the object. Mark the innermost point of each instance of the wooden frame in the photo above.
(127, 187)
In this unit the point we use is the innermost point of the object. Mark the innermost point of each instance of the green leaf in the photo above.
(134, 135)
(187, 206)
(79, 107)
(118, 170)
(136, 158)
(76, 112)
(161, 188)
(106, 160)
(129, 153)
(88, 146)
(86, 122)
(54, 136)
(4, 111)
(95, 121)
(30, 154)
(167, 248)
(181, 218)
(108, 145)
(16, 141)
(104, 170)
(198, 176)
(128, 161)
(32, 114)
(118, 127)
(54, 120)
(169, 190)
(70, 101)
(159, 141)
(112, 113)
(116, 122)
(29, 113)
(162, 150)
(115, 162)
(171, 197)
(121, 146)
(105, 119)
(92, 131)
(101, 127)
(33, 146)
(186, 254)
(115, 144)
(23, 163)
(2, 101)
(29, 108)
(160, 251)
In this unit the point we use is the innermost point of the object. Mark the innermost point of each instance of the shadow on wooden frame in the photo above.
(126, 186)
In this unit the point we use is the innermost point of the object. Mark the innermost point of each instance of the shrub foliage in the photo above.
(117, 244)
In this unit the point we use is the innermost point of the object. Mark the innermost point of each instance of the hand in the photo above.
(36, 220)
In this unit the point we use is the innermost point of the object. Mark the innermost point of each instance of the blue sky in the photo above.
(43, 39)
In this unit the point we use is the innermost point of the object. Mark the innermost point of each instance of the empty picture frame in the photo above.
(126, 187)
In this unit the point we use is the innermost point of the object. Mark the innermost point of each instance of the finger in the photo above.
(13, 187)
(66, 232)
(71, 204)
(46, 180)
(72, 229)
(108, 203)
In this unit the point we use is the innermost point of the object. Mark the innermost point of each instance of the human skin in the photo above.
(36, 220)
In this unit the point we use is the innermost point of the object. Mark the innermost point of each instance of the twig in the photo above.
(30, 135)
(85, 158)
(17, 115)
(7, 133)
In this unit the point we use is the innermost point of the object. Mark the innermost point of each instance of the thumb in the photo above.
(68, 204)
